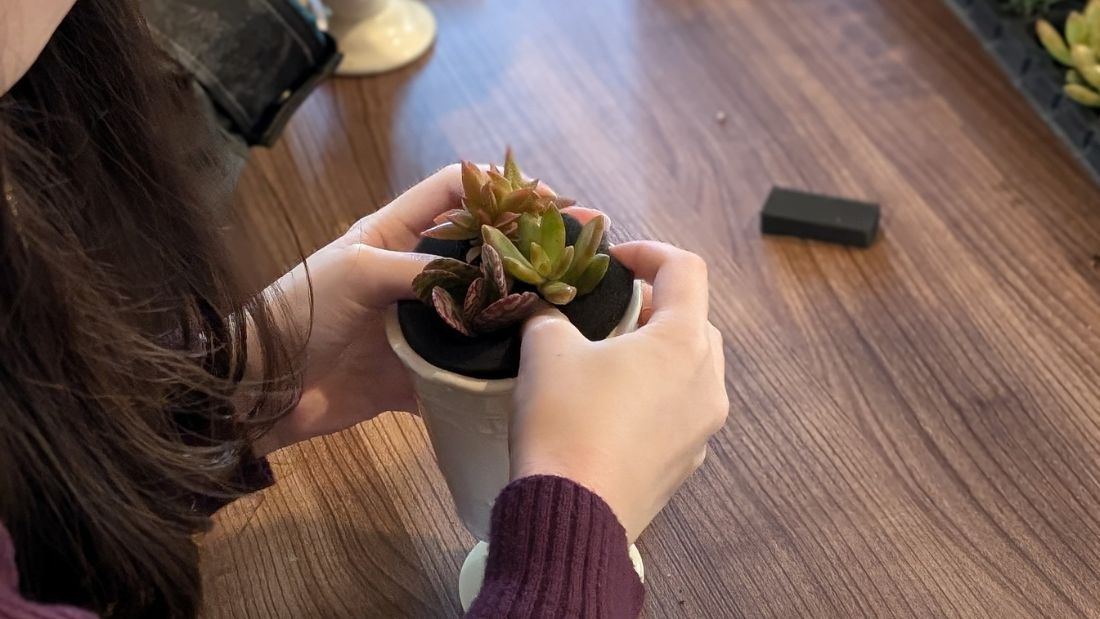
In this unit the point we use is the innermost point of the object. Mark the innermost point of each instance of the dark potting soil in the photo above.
(496, 355)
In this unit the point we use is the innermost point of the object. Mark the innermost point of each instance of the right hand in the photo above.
(628, 417)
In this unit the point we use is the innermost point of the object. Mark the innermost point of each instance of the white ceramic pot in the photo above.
(467, 420)
(379, 35)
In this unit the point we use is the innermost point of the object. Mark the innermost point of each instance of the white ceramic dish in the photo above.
(380, 35)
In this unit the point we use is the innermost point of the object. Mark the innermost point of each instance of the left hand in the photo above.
(350, 373)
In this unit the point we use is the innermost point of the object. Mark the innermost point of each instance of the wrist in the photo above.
(581, 476)
(293, 427)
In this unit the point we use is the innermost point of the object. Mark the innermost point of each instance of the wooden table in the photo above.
(914, 428)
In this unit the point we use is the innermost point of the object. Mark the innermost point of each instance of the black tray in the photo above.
(1012, 41)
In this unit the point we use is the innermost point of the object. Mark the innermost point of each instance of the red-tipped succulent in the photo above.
(493, 198)
(473, 301)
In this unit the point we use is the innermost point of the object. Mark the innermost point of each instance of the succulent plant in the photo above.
(1077, 49)
(517, 234)
(541, 258)
(495, 198)
(473, 300)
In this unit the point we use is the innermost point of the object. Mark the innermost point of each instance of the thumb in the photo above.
(386, 276)
(548, 324)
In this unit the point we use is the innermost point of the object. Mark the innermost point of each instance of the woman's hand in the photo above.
(628, 417)
(350, 373)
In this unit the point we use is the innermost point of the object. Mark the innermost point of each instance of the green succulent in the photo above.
(473, 300)
(495, 198)
(540, 257)
(1077, 49)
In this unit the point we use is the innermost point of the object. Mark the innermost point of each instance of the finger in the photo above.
(718, 356)
(542, 188)
(679, 279)
(400, 222)
(585, 215)
(718, 353)
(700, 458)
(647, 304)
(386, 276)
(549, 326)
(398, 225)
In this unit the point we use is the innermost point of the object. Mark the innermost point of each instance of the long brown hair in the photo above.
(122, 330)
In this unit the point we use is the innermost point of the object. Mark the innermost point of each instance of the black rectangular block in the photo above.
(822, 218)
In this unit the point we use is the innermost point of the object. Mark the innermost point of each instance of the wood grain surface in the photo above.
(915, 428)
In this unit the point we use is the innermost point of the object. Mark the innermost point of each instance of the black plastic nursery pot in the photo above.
(1012, 41)
(496, 355)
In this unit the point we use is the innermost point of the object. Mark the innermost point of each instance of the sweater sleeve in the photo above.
(12, 604)
(556, 550)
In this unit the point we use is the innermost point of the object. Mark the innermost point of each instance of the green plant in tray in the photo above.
(1077, 48)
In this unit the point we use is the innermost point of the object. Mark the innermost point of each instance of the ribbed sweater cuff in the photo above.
(557, 550)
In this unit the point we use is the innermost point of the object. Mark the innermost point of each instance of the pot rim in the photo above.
(426, 370)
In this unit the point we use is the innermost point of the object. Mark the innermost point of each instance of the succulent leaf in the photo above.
(489, 202)
(558, 293)
(1082, 94)
(446, 273)
(516, 201)
(492, 270)
(505, 219)
(500, 186)
(528, 232)
(552, 233)
(507, 311)
(560, 203)
(1053, 42)
(511, 170)
(477, 296)
(588, 243)
(522, 270)
(563, 264)
(464, 219)
(540, 260)
(451, 265)
(449, 311)
(1077, 29)
(593, 274)
(442, 217)
(473, 178)
(426, 282)
(1084, 60)
(504, 245)
(1092, 23)
(448, 231)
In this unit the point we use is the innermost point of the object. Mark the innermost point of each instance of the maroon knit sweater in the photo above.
(557, 550)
